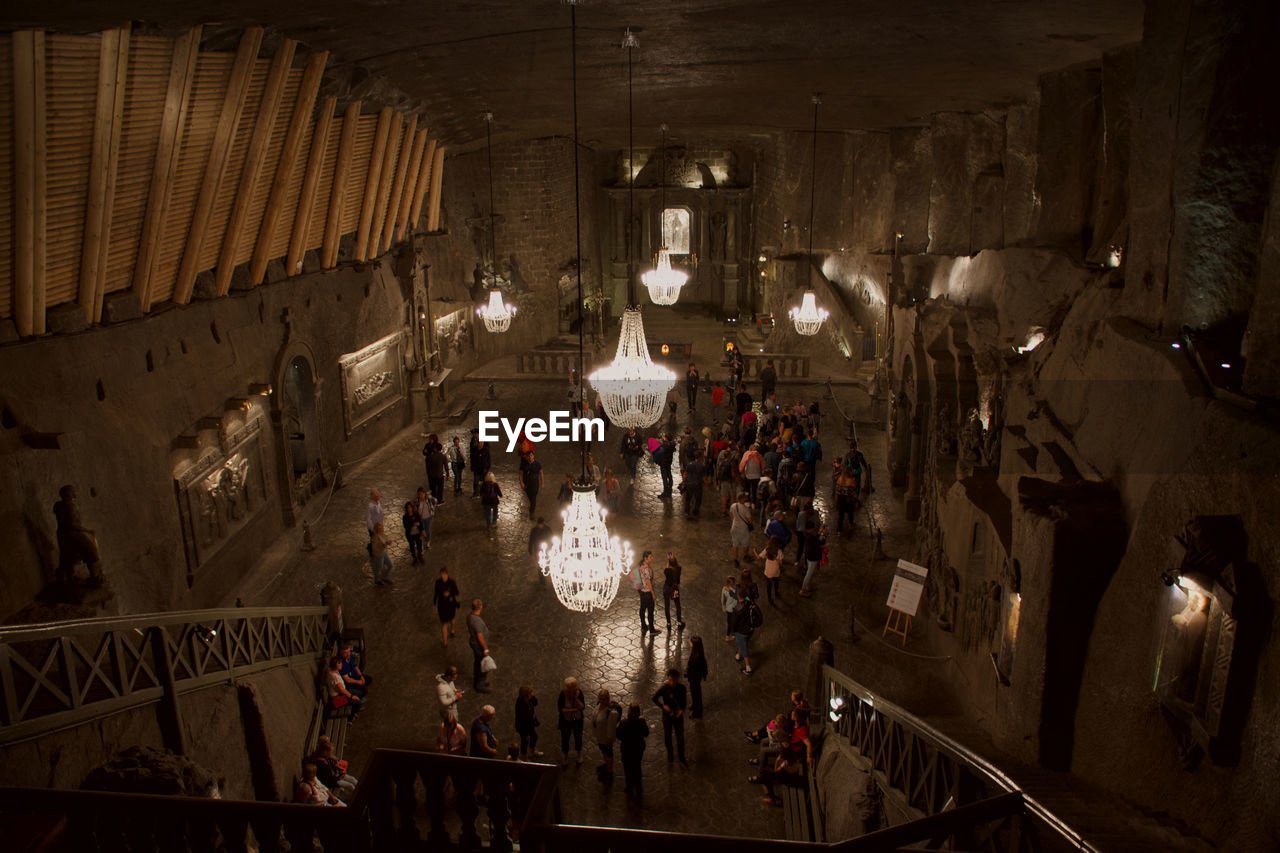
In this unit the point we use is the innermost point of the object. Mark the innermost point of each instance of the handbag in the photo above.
(339, 701)
(488, 664)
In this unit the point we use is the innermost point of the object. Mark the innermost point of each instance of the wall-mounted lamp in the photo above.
(839, 707)
(205, 635)
(666, 350)
(260, 389)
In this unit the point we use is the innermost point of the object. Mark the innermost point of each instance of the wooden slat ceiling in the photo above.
(74, 92)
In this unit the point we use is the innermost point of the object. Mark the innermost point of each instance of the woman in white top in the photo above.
(313, 792)
(740, 515)
(604, 726)
(772, 556)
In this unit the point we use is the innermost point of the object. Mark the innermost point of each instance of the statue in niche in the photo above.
(231, 482)
(76, 543)
(1186, 636)
(210, 521)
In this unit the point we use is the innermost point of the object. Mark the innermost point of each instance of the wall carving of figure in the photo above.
(946, 429)
(76, 543)
(971, 443)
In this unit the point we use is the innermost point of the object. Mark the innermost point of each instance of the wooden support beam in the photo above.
(424, 182)
(397, 186)
(411, 183)
(182, 71)
(310, 182)
(371, 182)
(380, 212)
(338, 192)
(254, 162)
(113, 65)
(30, 199)
(298, 126)
(223, 135)
(437, 179)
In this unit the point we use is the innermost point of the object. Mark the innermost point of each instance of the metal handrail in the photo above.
(45, 630)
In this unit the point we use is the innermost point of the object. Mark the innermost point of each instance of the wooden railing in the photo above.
(66, 673)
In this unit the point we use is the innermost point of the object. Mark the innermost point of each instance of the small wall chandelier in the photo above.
(497, 314)
(632, 388)
(664, 283)
(585, 564)
(808, 318)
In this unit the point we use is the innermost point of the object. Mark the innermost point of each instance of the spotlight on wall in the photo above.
(666, 350)
(1226, 365)
(260, 389)
(1169, 578)
(1176, 345)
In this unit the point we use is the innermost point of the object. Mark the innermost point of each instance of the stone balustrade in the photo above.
(550, 362)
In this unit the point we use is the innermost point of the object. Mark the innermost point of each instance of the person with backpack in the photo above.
(632, 733)
(766, 495)
(724, 480)
(740, 527)
(746, 620)
(672, 697)
(858, 467)
(846, 500)
(663, 456)
(729, 604)
(751, 467)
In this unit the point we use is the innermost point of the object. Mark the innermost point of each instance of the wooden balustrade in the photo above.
(788, 366)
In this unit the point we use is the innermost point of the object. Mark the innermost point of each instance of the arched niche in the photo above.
(296, 409)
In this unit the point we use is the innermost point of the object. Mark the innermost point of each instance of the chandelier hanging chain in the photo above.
(813, 183)
(493, 239)
(629, 41)
(662, 189)
(577, 225)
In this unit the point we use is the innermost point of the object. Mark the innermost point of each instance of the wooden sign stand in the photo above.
(897, 623)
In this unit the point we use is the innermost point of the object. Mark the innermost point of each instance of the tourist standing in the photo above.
(696, 672)
(768, 379)
(671, 590)
(484, 743)
(612, 492)
(452, 739)
(691, 385)
(380, 556)
(478, 637)
(643, 582)
(540, 535)
(490, 496)
(527, 722)
(663, 456)
(457, 462)
(437, 469)
(447, 692)
(846, 500)
(740, 528)
(695, 474)
(751, 467)
(427, 516)
(479, 464)
(445, 598)
(631, 451)
(814, 539)
(604, 727)
(632, 733)
(672, 698)
(570, 705)
(413, 530)
(772, 556)
(532, 479)
(729, 604)
(744, 625)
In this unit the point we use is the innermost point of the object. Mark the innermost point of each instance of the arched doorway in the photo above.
(298, 417)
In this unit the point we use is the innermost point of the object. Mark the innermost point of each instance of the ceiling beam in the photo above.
(338, 191)
(298, 125)
(371, 182)
(182, 69)
(30, 164)
(384, 186)
(411, 182)
(254, 162)
(113, 67)
(310, 182)
(397, 187)
(437, 179)
(224, 134)
(424, 182)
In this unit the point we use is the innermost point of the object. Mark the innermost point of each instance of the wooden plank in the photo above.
(113, 66)
(397, 186)
(298, 125)
(224, 133)
(380, 138)
(433, 203)
(380, 213)
(30, 200)
(254, 161)
(310, 181)
(424, 182)
(337, 193)
(182, 71)
(411, 182)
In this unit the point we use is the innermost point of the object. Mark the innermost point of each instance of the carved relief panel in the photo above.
(372, 381)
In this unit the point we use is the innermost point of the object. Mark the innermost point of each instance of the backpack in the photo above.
(725, 471)
(755, 618)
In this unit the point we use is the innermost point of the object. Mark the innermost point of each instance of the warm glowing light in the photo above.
(1034, 339)
(808, 318)
(585, 563)
(664, 283)
(666, 350)
(497, 314)
(1176, 345)
(1226, 365)
(632, 388)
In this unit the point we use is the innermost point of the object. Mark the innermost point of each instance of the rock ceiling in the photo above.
(708, 68)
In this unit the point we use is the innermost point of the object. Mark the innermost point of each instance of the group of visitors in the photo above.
(785, 749)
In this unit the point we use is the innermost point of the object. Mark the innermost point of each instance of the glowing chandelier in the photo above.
(664, 283)
(497, 314)
(585, 564)
(632, 388)
(808, 317)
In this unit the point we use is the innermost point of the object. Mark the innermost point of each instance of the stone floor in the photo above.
(538, 642)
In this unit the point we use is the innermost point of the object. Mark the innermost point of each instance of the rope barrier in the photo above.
(901, 651)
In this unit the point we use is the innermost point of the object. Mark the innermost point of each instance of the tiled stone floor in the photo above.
(538, 642)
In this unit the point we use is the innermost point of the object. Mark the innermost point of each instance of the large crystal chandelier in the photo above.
(585, 563)
(497, 314)
(664, 283)
(632, 388)
(808, 317)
